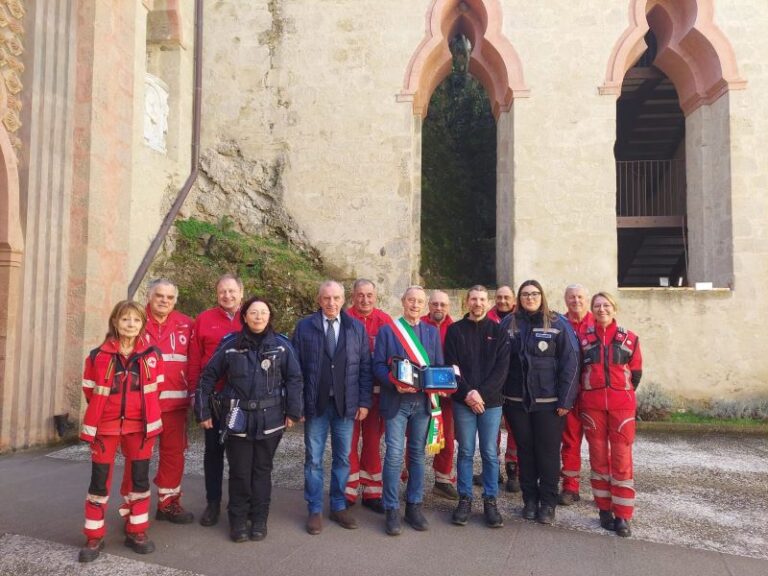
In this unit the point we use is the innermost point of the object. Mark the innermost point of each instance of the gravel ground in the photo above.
(701, 491)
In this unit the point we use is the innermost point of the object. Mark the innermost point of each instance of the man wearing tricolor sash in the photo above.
(405, 409)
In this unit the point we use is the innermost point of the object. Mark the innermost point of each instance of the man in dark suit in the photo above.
(336, 363)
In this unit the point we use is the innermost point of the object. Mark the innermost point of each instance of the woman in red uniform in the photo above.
(611, 371)
(120, 385)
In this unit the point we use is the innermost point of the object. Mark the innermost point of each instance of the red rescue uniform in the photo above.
(172, 338)
(510, 454)
(123, 410)
(365, 464)
(443, 462)
(573, 431)
(611, 370)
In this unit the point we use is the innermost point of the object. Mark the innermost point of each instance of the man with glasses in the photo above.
(439, 316)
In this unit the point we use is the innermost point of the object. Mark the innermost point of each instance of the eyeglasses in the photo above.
(530, 295)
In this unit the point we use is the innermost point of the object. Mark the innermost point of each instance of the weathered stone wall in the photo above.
(300, 109)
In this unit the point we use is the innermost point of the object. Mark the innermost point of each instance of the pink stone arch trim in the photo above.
(493, 60)
(11, 239)
(692, 51)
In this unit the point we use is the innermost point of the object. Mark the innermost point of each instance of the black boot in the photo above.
(606, 520)
(259, 529)
(211, 515)
(546, 514)
(622, 527)
(392, 519)
(513, 482)
(529, 510)
(491, 512)
(415, 517)
(460, 516)
(91, 550)
(238, 530)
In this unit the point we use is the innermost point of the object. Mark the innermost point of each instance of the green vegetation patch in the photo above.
(272, 268)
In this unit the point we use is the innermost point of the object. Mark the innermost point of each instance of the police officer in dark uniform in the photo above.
(262, 397)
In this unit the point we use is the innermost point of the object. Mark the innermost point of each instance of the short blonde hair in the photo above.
(608, 296)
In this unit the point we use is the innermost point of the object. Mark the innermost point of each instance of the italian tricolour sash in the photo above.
(417, 355)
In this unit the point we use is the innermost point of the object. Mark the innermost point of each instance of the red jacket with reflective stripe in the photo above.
(119, 388)
(612, 366)
(172, 338)
(210, 327)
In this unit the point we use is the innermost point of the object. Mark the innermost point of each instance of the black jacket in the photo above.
(267, 378)
(481, 351)
(544, 362)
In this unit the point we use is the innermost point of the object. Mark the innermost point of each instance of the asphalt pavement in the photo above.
(41, 507)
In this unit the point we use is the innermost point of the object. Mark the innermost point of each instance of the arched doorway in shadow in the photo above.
(494, 64)
(458, 180)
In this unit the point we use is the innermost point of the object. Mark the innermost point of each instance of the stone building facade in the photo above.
(318, 107)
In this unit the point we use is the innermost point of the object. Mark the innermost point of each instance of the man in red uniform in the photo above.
(505, 304)
(365, 465)
(445, 479)
(210, 327)
(581, 319)
(170, 332)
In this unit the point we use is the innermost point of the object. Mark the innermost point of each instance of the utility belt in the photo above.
(250, 405)
(234, 418)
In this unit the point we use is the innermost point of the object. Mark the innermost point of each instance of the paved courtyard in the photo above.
(701, 509)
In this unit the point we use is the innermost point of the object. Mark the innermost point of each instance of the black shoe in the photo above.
(258, 530)
(513, 482)
(139, 543)
(529, 510)
(174, 513)
(91, 550)
(606, 520)
(491, 512)
(445, 490)
(566, 498)
(415, 517)
(477, 479)
(374, 504)
(460, 516)
(211, 515)
(238, 532)
(546, 514)
(622, 527)
(392, 522)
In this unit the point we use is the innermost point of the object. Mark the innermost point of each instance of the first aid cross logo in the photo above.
(151, 362)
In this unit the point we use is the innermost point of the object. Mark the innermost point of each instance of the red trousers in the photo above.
(570, 453)
(170, 468)
(610, 434)
(135, 510)
(510, 453)
(365, 461)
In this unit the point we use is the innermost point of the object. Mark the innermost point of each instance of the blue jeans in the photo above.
(413, 417)
(467, 426)
(315, 435)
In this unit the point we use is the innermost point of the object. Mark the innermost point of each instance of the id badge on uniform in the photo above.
(405, 372)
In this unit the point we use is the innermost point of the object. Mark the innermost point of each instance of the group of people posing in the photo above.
(552, 378)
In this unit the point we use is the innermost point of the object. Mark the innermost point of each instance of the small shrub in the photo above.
(654, 403)
(755, 408)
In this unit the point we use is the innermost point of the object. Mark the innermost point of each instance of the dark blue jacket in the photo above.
(269, 377)
(387, 345)
(544, 362)
(309, 343)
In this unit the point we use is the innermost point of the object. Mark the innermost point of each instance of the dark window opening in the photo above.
(650, 178)
(458, 202)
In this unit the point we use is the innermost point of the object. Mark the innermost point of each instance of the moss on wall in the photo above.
(282, 273)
